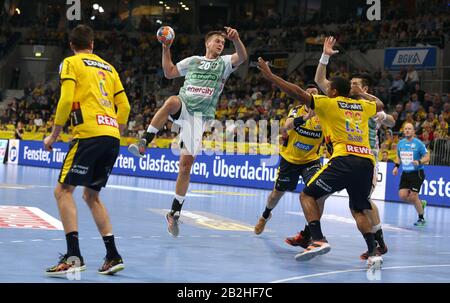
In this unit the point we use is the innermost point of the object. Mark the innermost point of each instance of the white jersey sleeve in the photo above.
(183, 65)
(228, 66)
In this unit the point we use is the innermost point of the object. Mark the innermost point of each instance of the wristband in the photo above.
(384, 116)
(298, 121)
(397, 165)
(324, 59)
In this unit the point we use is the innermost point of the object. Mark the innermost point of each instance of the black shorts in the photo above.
(89, 162)
(412, 180)
(353, 173)
(288, 174)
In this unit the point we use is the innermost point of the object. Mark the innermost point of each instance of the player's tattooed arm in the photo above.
(291, 89)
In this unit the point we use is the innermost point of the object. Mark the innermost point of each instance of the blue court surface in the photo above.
(216, 242)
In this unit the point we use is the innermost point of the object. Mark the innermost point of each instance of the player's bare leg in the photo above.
(271, 203)
(170, 107)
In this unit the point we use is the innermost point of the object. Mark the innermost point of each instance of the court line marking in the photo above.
(355, 270)
(202, 236)
(48, 218)
(226, 193)
(156, 191)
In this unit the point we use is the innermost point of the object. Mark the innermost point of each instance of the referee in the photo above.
(412, 154)
(94, 98)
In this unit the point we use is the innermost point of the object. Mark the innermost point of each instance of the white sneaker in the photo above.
(374, 262)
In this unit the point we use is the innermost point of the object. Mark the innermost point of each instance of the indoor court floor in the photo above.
(216, 242)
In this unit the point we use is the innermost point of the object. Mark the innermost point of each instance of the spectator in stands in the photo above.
(18, 134)
(411, 79)
(15, 76)
(420, 93)
(397, 88)
(3, 117)
(38, 121)
(385, 157)
(415, 103)
(442, 128)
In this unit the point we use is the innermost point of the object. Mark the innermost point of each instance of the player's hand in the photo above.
(309, 115)
(395, 171)
(264, 67)
(166, 46)
(231, 33)
(328, 46)
(48, 142)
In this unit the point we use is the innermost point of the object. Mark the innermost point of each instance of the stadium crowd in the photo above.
(137, 57)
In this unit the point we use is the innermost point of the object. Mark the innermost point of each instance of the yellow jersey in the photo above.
(345, 123)
(97, 83)
(303, 143)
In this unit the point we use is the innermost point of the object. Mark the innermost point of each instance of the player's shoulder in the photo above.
(295, 110)
(320, 97)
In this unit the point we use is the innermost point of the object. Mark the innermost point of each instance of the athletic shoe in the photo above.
(299, 240)
(315, 248)
(138, 149)
(172, 222)
(374, 262)
(111, 266)
(420, 223)
(259, 227)
(380, 251)
(66, 264)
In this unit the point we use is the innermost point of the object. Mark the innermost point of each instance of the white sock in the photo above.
(180, 199)
(152, 129)
(376, 228)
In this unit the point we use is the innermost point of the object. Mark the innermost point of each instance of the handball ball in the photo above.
(165, 35)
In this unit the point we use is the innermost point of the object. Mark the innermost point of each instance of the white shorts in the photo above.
(191, 133)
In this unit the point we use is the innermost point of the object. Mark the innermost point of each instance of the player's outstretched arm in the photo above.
(240, 55)
(291, 89)
(321, 73)
(170, 69)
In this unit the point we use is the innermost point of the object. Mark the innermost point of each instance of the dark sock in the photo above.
(306, 232)
(111, 250)
(370, 241)
(148, 137)
(421, 217)
(73, 247)
(316, 230)
(266, 213)
(176, 206)
(379, 238)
